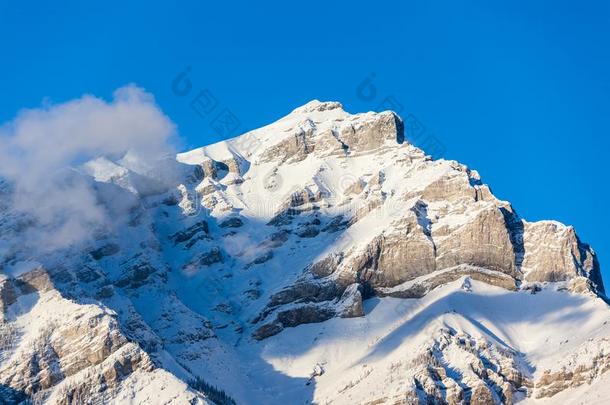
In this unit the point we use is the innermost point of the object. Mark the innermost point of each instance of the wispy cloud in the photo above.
(40, 149)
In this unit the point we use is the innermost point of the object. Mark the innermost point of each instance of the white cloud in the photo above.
(40, 148)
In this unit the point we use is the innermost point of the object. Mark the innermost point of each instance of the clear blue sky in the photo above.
(519, 90)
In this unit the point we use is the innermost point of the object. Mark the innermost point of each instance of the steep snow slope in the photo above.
(321, 258)
(379, 356)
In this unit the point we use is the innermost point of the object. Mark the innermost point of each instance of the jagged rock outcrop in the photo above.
(588, 362)
(350, 305)
(488, 373)
(420, 287)
(48, 349)
(553, 252)
(363, 134)
(485, 241)
(401, 256)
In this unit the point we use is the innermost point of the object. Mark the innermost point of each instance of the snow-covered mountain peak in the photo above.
(320, 258)
(324, 124)
(318, 106)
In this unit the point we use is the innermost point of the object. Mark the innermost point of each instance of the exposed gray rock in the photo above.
(306, 291)
(37, 279)
(587, 363)
(199, 228)
(276, 239)
(397, 257)
(365, 133)
(296, 147)
(135, 276)
(372, 132)
(418, 288)
(350, 304)
(61, 351)
(326, 266)
(453, 187)
(106, 250)
(484, 242)
(209, 168)
(233, 222)
(207, 187)
(355, 188)
(308, 232)
(377, 180)
(337, 224)
(299, 201)
(212, 256)
(305, 314)
(309, 313)
(481, 395)
(553, 252)
(494, 373)
(265, 257)
(87, 274)
(267, 330)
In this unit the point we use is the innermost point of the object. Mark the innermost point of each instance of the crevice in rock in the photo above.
(516, 231)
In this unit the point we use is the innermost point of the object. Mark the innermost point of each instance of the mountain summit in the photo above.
(319, 259)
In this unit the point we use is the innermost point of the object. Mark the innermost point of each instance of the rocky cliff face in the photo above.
(315, 224)
(57, 351)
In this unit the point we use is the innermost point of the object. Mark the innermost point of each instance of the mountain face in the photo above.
(320, 259)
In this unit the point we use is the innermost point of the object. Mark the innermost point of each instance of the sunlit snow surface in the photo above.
(362, 359)
(541, 326)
